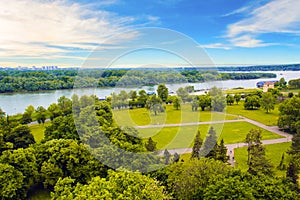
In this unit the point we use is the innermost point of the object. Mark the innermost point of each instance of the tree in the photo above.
(26, 118)
(11, 183)
(142, 98)
(195, 104)
(257, 162)
(183, 94)
(222, 152)
(154, 104)
(282, 83)
(133, 95)
(197, 146)
(289, 115)
(167, 157)
(281, 165)
(65, 105)
(237, 98)
(19, 136)
(204, 101)
(41, 114)
(176, 103)
(118, 185)
(176, 157)
(2, 113)
(295, 147)
(267, 101)
(292, 171)
(252, 102)
(150, 145)
(210, 146)
(189, 180)
(218, 100)
(30, 110)
(24, 161)
(54, 111)
(229, 99)
(162, 92)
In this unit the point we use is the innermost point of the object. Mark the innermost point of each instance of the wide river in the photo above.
(17, 102)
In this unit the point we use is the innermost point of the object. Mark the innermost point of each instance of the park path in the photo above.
(35, 122)
(230, 147)
(189, 124)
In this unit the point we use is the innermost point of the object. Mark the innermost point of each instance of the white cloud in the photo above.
(215, 46)
(34, 28)
(275, 16)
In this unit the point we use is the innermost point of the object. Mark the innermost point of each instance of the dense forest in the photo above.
(22, 81)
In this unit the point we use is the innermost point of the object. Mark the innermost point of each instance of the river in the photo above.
(17, 102)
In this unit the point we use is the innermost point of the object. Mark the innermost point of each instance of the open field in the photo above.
(241, 91)
(142, 116)
(273, 152)
(37, 130)
(269, 119)
(182, 137)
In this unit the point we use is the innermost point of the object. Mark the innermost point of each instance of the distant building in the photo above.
(268, 85)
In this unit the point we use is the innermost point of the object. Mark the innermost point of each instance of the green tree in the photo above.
(41, 114)
(267, 101)
(195, 104)
(252, 102)
(176, 157)
(183, 94)
(162, 92)
(222, 152)
(257, 161)
(30, 110)
(24, 161)
(282, 165)
(229, 99)
(154, 104)
(177, 103)
(237, 98)
(218, 100)
(2, 113)
(204, 101)
(26, 118)
(289, 115)
(210, 146)
(11, 183)
(150, 145)
(118, 185)
(189, 180)
(19, 136)
(133, 95)
(292, 171)
(282, 83)
(167, 157)
(54, 111)
(142, 98)
(197, 146)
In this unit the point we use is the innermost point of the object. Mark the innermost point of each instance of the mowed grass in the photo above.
(273, 153)
(241, 91)
(37, 130)
(142, 116)
(182, 137)
(269, 119)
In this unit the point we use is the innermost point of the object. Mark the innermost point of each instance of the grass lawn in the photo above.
(37, 130)
(260, 115)
(241, 91)
(182, 137)
(273, 152)
(142, 116)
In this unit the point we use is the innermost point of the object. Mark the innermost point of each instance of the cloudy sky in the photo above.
(231, 32)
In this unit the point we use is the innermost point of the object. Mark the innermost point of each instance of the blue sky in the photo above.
(66, 33)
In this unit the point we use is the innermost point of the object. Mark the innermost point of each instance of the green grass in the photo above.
(142, 116)
(37, 130)
(182, 137)
(260, 115)
(273, 153)
(241, 91)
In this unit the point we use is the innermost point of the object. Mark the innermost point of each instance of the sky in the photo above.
(125, 33)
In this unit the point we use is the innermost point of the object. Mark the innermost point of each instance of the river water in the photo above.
(17, 102)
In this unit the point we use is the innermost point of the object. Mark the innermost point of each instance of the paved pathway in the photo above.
(189, 124)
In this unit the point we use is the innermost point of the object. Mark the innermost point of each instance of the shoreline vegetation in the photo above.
(14, 81)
